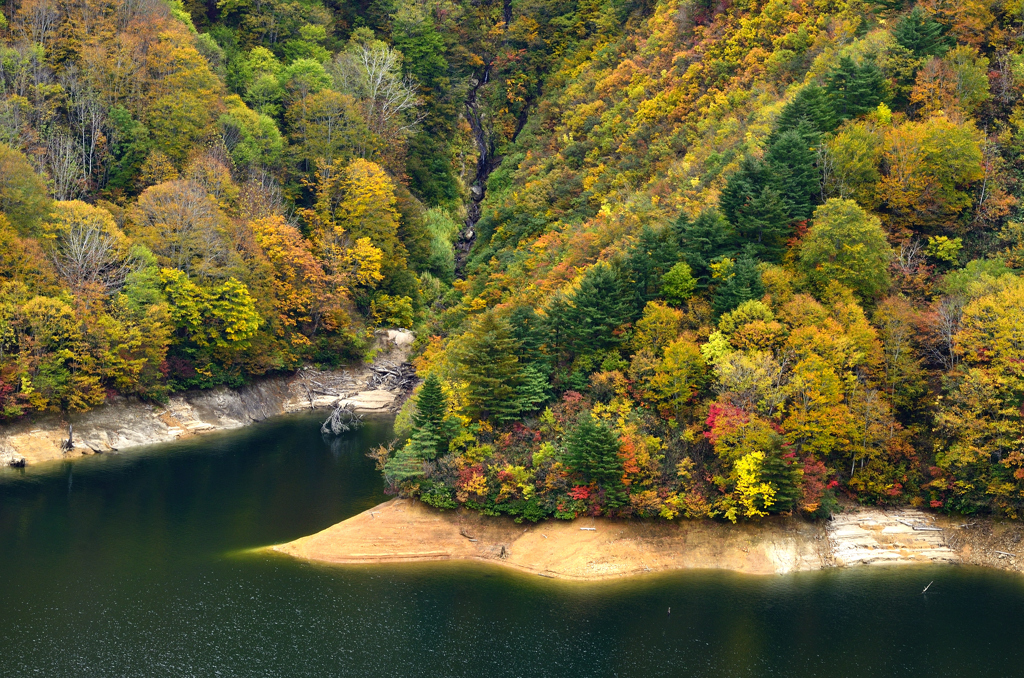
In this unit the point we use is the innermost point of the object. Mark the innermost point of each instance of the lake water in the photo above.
(138, 565)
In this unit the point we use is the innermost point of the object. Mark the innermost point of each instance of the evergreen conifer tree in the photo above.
(430, 404)
(554, 326)
(593, 452)
(424, 444)
(855, 90)
(742, 285)
(530, 333)
(920, 33)
(597, 307)
(784, 474)
(534, 390)
(704, 240)
(743, 184)
(810, 107)
(650, 257)
(756, 205)
(429, 437)
(791, 159)
(406, 464)
(491, 369)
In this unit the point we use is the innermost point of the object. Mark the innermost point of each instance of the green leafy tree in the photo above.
(679, 375)
(848, 246)
(432, 175)
(59, 376)
(23, 195)
(252, 139)
(223, 316)
(854, 154)
(678, 284)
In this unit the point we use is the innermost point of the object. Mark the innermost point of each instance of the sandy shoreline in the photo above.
(589, 549)
(586, 549)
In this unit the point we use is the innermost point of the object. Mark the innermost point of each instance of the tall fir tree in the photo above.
(492, 372)
(791, 159)
(743, 284)
(920, 33)
(593, 452)
(756, 207)
(703, 241)
(650, 257)
(596, 308)
(558, 339)
(784, 473)
(428, 432)
(855, 90)
(430, 403)
(530, 333)
(811, 108)
(534, 390)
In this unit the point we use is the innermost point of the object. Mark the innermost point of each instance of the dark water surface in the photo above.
(135, 565)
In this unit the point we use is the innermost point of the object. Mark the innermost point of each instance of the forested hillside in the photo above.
(671, 259)
(744, 258)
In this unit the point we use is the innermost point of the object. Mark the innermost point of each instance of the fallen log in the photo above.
(342, 420)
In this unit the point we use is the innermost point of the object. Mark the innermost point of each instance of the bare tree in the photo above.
(372, 73)
(832, 184)
(909, 257)
(941, 327)
(37, 19)
(64, 164)
(88, 250)
(86, 115)
(261, 196)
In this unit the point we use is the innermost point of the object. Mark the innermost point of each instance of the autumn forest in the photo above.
(664, 259)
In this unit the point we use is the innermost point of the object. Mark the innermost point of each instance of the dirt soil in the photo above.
(989, 542)
(403, 530)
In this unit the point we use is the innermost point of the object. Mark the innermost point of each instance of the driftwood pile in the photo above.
(392, 377)
(342, 420)
(314, 388)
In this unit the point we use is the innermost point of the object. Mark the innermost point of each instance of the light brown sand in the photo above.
(402, 530)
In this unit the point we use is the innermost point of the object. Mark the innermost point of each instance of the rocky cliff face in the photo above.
(125, 422)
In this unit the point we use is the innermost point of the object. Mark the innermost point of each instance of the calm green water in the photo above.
(134, 566)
